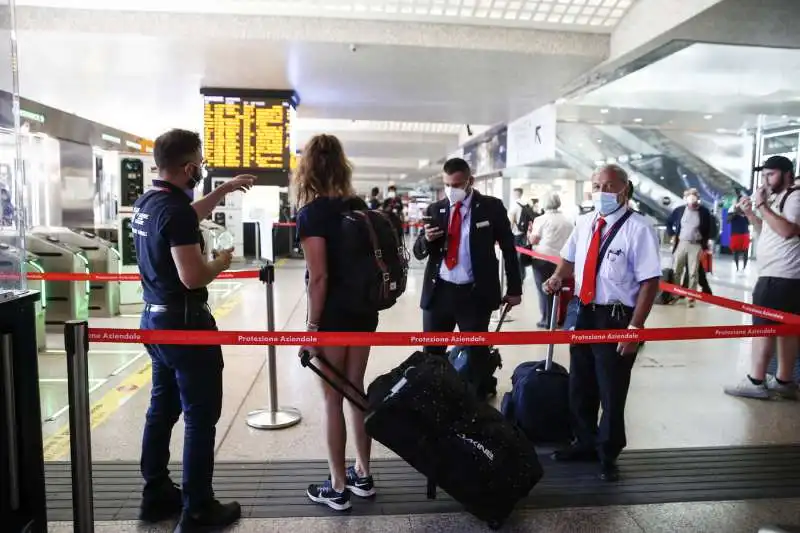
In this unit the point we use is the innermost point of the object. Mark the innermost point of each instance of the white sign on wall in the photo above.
(532, 138)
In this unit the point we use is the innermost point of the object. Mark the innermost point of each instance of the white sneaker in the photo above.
(746, 389)
(779, 390)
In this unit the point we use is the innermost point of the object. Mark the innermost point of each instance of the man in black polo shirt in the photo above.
(187, 379)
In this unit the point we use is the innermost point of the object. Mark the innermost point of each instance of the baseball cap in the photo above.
(777, 162)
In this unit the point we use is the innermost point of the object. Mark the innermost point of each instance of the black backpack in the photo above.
(526, 217)
(373, 261)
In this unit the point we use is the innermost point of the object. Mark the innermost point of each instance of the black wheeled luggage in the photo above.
(426, 413)
(539, 399)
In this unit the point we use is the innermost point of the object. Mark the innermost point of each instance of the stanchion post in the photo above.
(76, 340)
(9, 397)
(273, 417)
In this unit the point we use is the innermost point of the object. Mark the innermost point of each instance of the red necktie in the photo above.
(588, 286)
(453, 238)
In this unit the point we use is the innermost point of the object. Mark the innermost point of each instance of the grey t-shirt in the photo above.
(779, 257)
(690, 225)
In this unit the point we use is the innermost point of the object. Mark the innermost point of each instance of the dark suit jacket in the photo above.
(706, 225)
(485, 268)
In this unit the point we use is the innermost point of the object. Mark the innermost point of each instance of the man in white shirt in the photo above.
(614, 255)
(778, 286)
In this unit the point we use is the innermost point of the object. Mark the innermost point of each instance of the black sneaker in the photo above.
(213, 517)
(609, 472)
(363, 487)
(161, 503)
(326, 495)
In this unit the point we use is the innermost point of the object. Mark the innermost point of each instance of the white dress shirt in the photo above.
(553, 229)
(462, 272)
(632, 257)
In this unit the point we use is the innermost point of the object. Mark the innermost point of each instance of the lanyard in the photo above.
(610, 234)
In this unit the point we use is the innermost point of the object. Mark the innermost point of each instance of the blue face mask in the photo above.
(605, 203)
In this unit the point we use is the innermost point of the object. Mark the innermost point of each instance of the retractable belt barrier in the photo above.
(91, 276)
(734, 305)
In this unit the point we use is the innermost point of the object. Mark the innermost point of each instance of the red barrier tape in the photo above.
(256, 338)
(755, 310)
(292, 225)
(71, 276)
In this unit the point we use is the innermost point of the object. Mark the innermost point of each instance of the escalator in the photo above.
(584, 148)
(680, 168)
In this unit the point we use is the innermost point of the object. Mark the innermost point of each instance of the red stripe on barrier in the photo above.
(257, 338)
(72, 276)
(735, 305)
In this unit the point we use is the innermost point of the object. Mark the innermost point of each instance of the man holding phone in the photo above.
(462, 286)
(774, 211)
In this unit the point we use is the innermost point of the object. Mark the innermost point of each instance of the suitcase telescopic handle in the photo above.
(553, 324)
(360, 400)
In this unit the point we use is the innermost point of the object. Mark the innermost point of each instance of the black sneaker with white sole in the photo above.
(363, 487)
(326, 495)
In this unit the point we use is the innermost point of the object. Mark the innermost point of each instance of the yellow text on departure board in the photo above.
(246, 133)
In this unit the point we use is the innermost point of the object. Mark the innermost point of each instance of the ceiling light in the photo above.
(708, 117)
(600, 141)
(637, 120)
(604, 111)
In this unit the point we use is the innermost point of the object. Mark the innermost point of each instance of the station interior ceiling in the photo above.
(399, 80)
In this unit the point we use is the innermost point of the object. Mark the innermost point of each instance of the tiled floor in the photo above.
(717, 517)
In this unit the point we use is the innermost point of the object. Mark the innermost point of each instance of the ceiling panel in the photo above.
(711, 79)
(583, 15)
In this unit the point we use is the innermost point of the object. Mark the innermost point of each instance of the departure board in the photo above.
(245, 133)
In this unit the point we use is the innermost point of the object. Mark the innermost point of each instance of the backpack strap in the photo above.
(373, 237)
(789, 191)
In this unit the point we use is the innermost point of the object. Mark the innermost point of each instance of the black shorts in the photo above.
(782, 294)
(337, 320)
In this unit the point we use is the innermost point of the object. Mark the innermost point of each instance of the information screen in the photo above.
(244, 133)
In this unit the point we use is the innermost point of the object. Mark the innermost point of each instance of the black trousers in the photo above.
(454, 305)
(599, 376)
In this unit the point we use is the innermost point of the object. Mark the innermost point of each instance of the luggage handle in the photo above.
(305, 360)
(548, 364)
(503, 314)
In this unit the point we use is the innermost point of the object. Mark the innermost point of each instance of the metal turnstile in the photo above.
(103, 259)
(106, 232)
(10, 259)
(65, 300)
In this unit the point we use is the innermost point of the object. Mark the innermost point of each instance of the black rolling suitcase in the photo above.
(426, 413)
(539, 399)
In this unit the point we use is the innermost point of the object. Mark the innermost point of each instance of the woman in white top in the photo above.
(548, 234)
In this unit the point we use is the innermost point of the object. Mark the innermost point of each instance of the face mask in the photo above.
(605, 203)
(195, 178)
(392, 194)
(692, 199)
(455, 195)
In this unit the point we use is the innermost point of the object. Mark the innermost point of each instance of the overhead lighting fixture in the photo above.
(604, 111)
(708, 117)
(637, 120)
(600, 141)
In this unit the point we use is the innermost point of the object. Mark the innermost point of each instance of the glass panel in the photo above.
(13, 258)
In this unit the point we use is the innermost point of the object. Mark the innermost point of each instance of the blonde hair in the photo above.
(323, 170)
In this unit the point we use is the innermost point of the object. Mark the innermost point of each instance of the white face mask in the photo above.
(692, 199)
(605, 203)
(391, 194)
(454, 195)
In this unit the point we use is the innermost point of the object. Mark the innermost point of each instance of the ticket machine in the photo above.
(10, 259)
(65, 300)
(130, 292)
(103, 259)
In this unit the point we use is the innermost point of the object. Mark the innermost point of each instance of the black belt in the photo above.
(462, 287)
(615, 310)
(161, 308)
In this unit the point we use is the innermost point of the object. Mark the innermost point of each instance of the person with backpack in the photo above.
(374, 198)
(521, 216)
(326, 197)
(774, 211)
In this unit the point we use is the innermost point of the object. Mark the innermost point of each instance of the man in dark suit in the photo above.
(462, 285)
